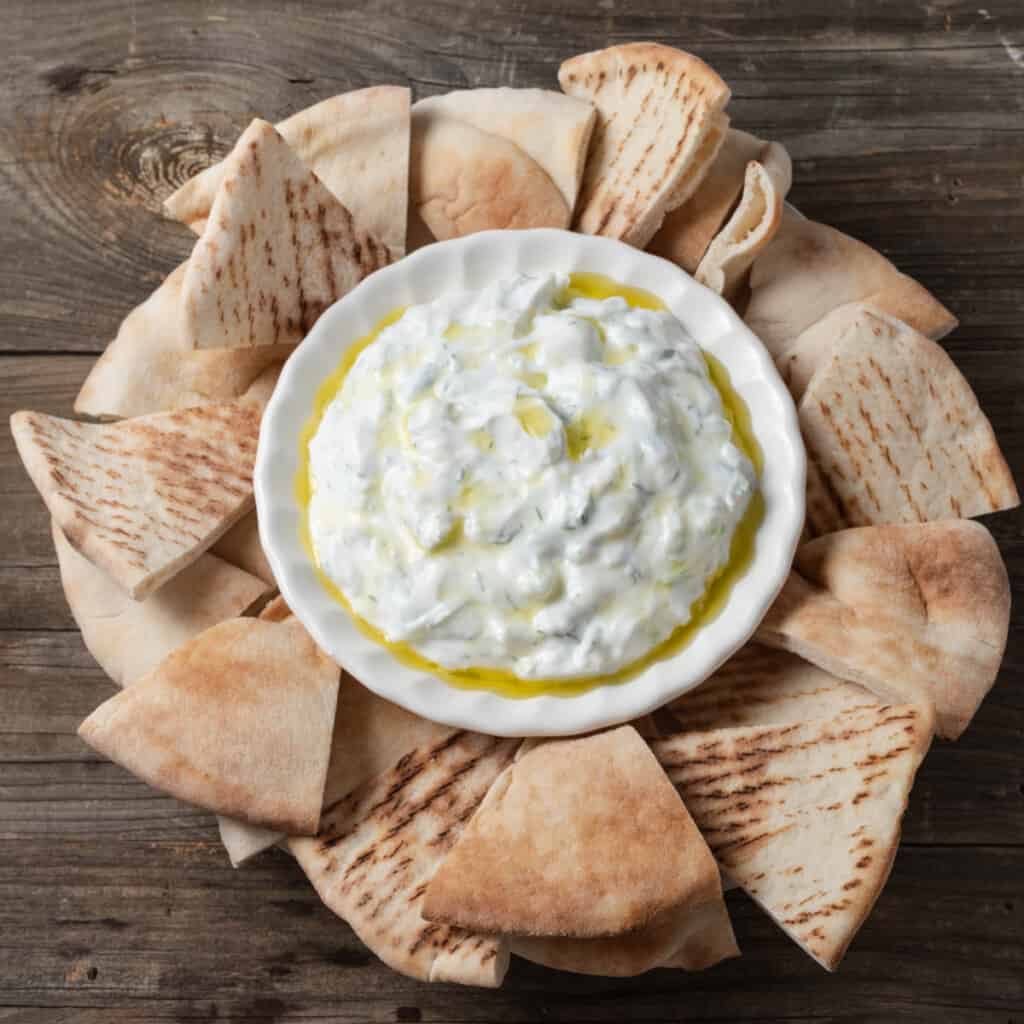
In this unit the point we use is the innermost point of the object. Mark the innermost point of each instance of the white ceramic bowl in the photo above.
(470, 263)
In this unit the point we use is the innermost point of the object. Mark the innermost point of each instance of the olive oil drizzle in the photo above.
(704, 610)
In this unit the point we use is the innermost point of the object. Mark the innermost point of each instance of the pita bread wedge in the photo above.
(237, 720)
(763, 686)
(752, 226)
(241, 546)
(656, 106)
(379, 846)
(143, 498)
(463, 180)
(688, 230)
(896, 433)
(277, 250)
(809, 269)
(130, 638)
(564, 812)
(692, 940)
(917, 614)
(805, 816)
(356, 143)
(549, 127)
(370, 736)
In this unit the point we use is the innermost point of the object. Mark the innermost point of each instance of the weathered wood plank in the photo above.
(104, 928)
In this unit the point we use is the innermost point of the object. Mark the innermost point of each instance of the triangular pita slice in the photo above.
(805, 816)
(655, 107)
(238, 721)
(241, 546)
(688, 230)
(143, 498)
(809, 269)
(379, 846)
(356, 143)
(581, 837)
(130, 638)
(763, 686)
(692, 940)
(277, 250)
(463, 180)
(752, 226)
(549, 127)
(370, 736)
(896, 433)
(917, 614)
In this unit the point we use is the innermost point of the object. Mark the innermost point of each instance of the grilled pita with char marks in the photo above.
(463, 180)
(656, 106)
(914, 613)
(752, 226)
(356, 143)
(549, 127)
(564, 812)
(277, 250)
(688, 230)
(896, 433)
(237, 720)
(805, 816)
(379, 846)
(143, 498)
(763, 686)
(130, 638)
(809, 269)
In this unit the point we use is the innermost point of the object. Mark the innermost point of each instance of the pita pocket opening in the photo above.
(687, 231)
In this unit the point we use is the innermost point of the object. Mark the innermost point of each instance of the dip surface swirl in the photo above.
(522, 479)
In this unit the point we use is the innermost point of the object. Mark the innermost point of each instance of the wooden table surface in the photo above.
(906, 125)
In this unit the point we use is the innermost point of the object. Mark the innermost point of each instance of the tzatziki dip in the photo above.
(523, 479)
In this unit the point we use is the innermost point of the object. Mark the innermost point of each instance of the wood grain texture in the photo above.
(906, 125)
